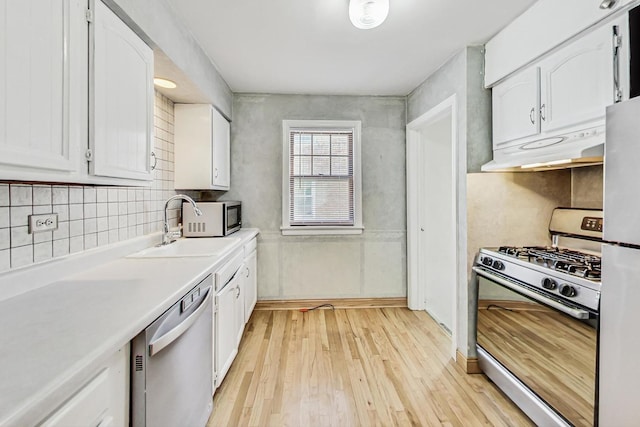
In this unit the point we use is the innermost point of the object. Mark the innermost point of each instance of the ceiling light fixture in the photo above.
(366, 14)
(167, 84)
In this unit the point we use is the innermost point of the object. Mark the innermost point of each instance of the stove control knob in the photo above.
(548, 283)
(498, 265)
(487, 261)
(568, 290)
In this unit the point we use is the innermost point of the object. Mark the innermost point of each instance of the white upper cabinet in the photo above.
(122, 116)
(221, 151)
(577, 81)
(40, 77)
(567, 91)
(202, 150)
(516, 106)
(54, 57)
(541, 28)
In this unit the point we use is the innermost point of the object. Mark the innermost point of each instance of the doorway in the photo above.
(432, 212)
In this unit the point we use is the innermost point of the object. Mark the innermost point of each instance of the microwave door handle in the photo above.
(164, 340)
(573, 312)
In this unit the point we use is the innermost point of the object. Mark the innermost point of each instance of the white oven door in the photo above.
(549, 351)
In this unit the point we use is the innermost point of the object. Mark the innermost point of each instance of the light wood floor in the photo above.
(354, 367)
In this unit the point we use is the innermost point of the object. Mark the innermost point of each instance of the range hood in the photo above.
(578, 148)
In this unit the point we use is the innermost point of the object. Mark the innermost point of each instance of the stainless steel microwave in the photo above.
(217, 219)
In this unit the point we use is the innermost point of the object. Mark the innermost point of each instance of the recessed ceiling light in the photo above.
(167, 84)
(366, 14)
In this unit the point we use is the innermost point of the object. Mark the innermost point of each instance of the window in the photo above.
(321, 177)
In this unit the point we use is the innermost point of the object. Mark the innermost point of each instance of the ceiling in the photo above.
(311, 47)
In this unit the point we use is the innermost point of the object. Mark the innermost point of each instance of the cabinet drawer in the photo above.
(102, 402)
(228, 270)
(86, 407)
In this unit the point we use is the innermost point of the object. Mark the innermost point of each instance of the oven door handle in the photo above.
(573, 312)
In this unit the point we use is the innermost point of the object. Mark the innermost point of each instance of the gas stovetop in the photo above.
(563, 274)
(568, 271)
(575, 263)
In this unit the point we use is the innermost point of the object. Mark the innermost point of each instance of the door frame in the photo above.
(415, 294)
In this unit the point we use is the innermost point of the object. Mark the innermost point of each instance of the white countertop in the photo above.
(55, 336)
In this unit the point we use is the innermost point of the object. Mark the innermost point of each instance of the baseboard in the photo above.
(336, 302)
(469, 365)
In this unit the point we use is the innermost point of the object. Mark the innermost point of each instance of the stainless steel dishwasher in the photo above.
(171, 364)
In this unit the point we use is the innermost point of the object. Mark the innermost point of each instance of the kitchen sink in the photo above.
(189, 248)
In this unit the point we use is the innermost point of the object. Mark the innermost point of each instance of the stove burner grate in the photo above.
(568, 261)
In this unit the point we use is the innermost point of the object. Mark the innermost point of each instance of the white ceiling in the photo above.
(311, 47)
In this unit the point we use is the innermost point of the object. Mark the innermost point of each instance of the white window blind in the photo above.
(321, 177)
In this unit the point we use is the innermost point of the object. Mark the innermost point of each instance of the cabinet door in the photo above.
(239, 314)
(221, 152)
(250, 284)
(516, 103)
(35, 86)
(122, 77)
(102, 402)
(577, 81)
(226, 332)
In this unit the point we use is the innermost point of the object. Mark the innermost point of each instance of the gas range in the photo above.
(538, 314)
(568, 271)
(569, 275)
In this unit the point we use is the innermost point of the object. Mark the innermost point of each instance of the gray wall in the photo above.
(159, 26)
(461, 76)
(369, 265)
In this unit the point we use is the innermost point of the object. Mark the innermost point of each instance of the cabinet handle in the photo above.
(542, 112)
(155, 161)
(238, 293)
(216, 175)
(248, 272)
(531, 118)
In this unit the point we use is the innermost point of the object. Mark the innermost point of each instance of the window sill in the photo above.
(319, 231)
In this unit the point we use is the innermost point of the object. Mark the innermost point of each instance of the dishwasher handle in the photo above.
(164, 340)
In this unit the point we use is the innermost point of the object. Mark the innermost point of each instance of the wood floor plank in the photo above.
(354, 367)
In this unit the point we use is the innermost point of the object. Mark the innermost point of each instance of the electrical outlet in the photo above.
(43, 222)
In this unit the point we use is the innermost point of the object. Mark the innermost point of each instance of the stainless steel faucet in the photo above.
(171, 236)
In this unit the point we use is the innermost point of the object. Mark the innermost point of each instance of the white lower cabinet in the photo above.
(226, 328)
(250, 281)
(235, 299)
(101, 402)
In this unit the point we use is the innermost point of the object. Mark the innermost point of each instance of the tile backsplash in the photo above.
(88, 216)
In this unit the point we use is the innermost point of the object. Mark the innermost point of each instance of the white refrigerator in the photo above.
(619, 339)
